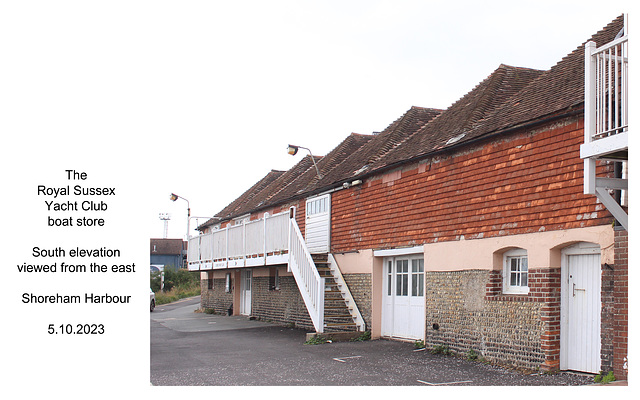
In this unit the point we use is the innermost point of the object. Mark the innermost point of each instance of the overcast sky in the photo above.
(201, 98)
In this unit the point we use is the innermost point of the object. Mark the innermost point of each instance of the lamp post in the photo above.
(293, 150)
(175, 197)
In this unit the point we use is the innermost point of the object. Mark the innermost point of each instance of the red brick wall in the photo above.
(544, 288)
(525, 182)
(621, 304)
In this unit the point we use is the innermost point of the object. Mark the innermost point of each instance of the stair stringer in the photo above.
(346, 293)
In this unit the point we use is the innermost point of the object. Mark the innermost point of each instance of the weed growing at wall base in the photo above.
(441, 349)
(608, 378)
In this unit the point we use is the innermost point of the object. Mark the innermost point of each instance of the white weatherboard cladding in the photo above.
(581, 307)
(317, 224)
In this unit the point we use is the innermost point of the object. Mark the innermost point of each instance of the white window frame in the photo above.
(409, 283)
(318, 205)
(227, 282)
(417, 277)
(242, 220)
(514, 254)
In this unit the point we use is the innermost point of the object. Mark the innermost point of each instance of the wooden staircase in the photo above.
(339, 314)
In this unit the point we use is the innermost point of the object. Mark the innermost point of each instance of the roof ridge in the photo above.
(453, 124)
(563, 83)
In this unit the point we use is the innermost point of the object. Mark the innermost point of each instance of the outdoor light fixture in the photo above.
(175, 197)
(293, 150)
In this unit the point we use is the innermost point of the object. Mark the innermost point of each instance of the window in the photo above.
(402, 277)
(274, 279)
(210, 280)
(417, 277)
(227, 283)
(318, 206)
(241, 220)
(516, 272)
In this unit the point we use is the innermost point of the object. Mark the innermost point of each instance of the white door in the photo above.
(403, 310)
(245, 292)
(318, 221)
(581, 307)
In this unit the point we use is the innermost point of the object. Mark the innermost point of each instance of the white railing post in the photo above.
(264, 237)
(226, 247)
(244, 243)
(589, 115)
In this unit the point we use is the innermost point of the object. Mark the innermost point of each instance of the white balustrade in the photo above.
(259, 242)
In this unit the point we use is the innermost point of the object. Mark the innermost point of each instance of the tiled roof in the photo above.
(402, 128)
(454, 124)
(236, 207)
(166, 246)
(260, 195)
(308, 181)
(509, 97)
(560, 88)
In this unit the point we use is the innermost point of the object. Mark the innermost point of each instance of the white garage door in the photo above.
(403, 311)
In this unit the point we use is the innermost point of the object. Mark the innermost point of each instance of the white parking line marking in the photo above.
(443, 383)
(342, 359)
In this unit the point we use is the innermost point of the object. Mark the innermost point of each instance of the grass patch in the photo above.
(176, 294)
(178, 284)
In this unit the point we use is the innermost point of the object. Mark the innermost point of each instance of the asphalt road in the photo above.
(195, 349)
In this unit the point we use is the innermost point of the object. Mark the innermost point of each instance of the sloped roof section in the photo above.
(456, 123)
(560, 88)
(235, 207)
(309, 180)
(238, 204)
(381, 143)
(508, 98)
(166, 246)
(263, 198)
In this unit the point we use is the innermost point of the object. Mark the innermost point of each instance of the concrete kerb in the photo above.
(334, 336)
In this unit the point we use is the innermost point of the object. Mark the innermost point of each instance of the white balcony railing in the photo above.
(606, 98)
(606, 119)
(260, 242)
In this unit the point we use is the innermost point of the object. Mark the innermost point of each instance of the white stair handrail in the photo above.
(309, 282)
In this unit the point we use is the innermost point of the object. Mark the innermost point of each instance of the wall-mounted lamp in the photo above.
(293, 150)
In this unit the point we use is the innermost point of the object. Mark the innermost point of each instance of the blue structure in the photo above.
(168, 252)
